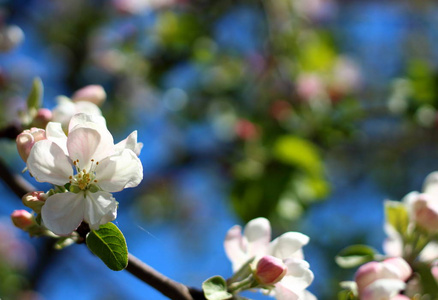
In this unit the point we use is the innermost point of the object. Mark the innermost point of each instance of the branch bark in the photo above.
(168, 287)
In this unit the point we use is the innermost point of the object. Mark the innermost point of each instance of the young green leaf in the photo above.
(108, 243)
(397, 215)
(215, 288)
(355, 255)
(35, 98)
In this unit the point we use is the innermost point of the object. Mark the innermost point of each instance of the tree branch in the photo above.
(168, 287)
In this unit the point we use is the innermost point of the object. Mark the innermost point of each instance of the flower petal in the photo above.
(288, 245)
(383, 289)
(258, 234)
(234, 248)
(430, 185)
(55, 134)
(83, 119)
(48, 163)
(283, 293)
(298, 276)
(100, 208)
(62, 213)
(85, 143)
(130, 143)
(119, 171)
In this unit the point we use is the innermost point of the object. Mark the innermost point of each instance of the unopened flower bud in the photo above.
(91, 93)
(22, 219)
(27, 139)
(34, 200)
(270, 270)
(42, 118)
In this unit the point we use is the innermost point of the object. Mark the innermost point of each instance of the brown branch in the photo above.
(168, 287)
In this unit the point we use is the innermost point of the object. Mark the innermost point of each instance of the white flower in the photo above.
(93, 166)
(66, 109)
(422, 209)
(255, 243)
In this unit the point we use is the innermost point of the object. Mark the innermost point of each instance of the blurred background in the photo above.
(308, 112)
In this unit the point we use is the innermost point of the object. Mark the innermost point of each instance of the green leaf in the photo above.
(397, 215)
(35, 98)
(108, 243)
(355, 255)
(215, 288)
(299, 152)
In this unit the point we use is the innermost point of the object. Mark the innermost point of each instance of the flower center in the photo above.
(84, 180)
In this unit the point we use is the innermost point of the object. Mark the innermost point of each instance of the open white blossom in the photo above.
(256, 243)
(88, 160)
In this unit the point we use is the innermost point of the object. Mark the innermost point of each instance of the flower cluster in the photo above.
(85, 167)
(276, 267)
(411, 248)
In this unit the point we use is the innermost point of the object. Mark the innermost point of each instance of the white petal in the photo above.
(430, 185)
(130, 143)
(258, 234)
(298, 276)
(48, 163)
(55, 134)
(87, 107)
(234, 248)
(119, 171)
(63, 112)
(283, 293)
(62, 213)
(430, 252)
(85, 143)
(393, 244)
(288, 245)
(100, 208)
(84, 119)
(383, 289)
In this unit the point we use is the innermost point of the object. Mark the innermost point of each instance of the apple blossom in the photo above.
(255, 244)
(89, 164)
(382, 280)
(66, 109)
(27, 139)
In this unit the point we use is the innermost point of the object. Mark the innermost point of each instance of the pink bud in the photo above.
(425, 212)
(22, 219)
(27, 139)
(91, 93)
(34, 200)
(42, 117)
(270, 270)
